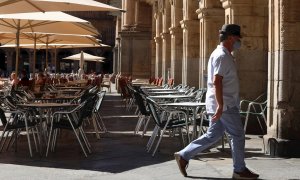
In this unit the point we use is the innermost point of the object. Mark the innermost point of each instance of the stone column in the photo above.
(128, 18)
(135, 43)
(176, 41)
(158, 59)
(153, 44)
(117, 46)
(283, 137)
(190, 26)
(135, 54)
(251, 59)
(212, 16)
(166, 41)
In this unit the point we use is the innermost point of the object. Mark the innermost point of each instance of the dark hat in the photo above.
(231, 29)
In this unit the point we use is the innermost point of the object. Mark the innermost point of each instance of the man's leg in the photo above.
(233, 125)
(214, 133)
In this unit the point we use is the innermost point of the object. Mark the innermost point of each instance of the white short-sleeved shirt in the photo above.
(222, 63)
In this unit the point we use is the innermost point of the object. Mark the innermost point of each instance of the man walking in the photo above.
(222, 106)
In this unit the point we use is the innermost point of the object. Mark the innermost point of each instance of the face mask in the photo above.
(237, 45)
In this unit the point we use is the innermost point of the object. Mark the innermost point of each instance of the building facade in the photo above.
(174, 39)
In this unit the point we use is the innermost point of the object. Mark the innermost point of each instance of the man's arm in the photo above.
(219, 96)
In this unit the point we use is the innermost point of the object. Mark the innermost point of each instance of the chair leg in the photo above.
(28, 137)
(246, 122)
(182, 137)
(54, 140)
(258, 120)
(102, 123)
(38, 135)
(153, 139)
(77, 137)
(84, 137)
(136, 110)
(158, 142)
(154, 133)
(4, 141)
(140, 123)
(34, 139)
(49, 138)
(87, 144)
(95, 126)
(137, 125)
(146, 126)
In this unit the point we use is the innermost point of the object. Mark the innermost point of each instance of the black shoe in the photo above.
(246, 174)
(182, 163)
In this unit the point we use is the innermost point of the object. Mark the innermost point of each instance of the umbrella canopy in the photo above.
(82, 56)
(23, 6)
(49, 22)
(42, 38)
(56, 46)
(46, 40)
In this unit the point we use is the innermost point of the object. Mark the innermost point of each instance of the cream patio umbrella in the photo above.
(48, 22)
(82, 56)
(24, 6)
(56, 46)
(46, 40)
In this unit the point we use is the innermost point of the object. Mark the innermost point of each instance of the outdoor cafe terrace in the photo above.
(121, 150)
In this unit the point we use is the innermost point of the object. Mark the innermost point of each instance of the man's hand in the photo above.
(219, 96)
(218, 114)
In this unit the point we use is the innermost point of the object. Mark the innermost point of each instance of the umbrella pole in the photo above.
(55, 58)
(34, 55)
(81, 64)
(18, 47)
(46, 55)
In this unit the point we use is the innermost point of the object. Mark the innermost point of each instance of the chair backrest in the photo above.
(86, 110)
(130, 89)
(157, 112)
(140, 103)
(189, 91)
(160, 81)
(10, 102)
(3, 117)
(123, 88)
(100, 96)
(93, 89)
(200, 95)
(171, 82)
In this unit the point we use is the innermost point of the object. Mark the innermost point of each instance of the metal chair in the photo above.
(72, 120)
(15, 121)
(256, 108)
(166, 119)
(96, 114)
(144, 113)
